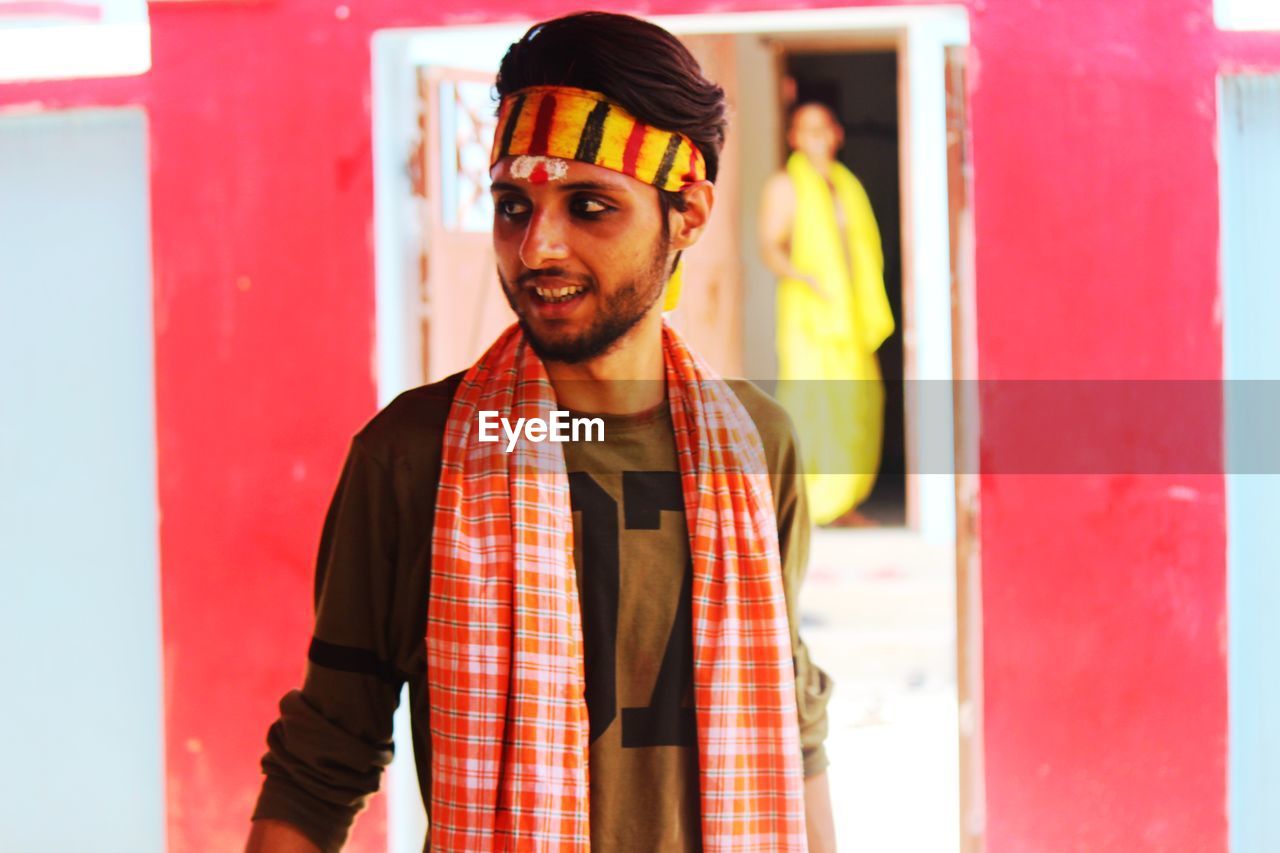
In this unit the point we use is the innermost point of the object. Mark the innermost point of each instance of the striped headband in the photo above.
(575, 124)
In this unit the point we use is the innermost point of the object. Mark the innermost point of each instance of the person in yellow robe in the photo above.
(819, 236)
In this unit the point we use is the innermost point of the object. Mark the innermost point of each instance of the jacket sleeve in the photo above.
(813, 686)
(327, 750)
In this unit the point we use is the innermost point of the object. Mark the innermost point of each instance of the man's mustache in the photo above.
(554, 272)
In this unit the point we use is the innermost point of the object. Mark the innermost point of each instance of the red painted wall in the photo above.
(1095, 191)
(1103, 596)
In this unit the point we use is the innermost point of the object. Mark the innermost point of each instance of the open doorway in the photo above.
(879, 603)
(861, 89)
(895, 720)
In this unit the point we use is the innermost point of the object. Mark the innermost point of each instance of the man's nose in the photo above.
(544, 240)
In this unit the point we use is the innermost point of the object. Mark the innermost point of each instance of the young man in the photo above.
(819, 236)
(598, 636)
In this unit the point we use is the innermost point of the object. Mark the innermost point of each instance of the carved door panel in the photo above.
(463, 309)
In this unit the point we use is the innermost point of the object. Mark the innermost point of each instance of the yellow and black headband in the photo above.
(575, 124)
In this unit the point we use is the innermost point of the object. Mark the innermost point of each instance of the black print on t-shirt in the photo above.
(663, 722)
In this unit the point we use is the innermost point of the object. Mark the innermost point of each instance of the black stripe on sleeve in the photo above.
(349, 659)
(592, 134)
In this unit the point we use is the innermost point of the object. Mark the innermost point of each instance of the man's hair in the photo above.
(639, 65)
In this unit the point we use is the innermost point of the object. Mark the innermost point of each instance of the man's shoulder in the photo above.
(779, 182)
(756, 400)
(412, 424)
(778, 198)
(771, 420)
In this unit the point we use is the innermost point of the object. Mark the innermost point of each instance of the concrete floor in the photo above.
(878, 614)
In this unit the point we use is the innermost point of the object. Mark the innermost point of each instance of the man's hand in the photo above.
(817, 288)
(817, 814)
(276, 836)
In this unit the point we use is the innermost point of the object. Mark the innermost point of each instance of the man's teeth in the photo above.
(558, 294)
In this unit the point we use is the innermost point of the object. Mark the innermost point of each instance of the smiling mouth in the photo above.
(558, 294)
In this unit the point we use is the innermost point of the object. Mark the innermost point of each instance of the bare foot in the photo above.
(853, 518)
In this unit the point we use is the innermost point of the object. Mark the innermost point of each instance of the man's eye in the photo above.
(589, 207)
(511, 207)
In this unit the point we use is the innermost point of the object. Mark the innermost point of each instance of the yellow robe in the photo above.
(840, 421)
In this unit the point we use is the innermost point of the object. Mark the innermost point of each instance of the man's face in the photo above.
(581, 253)
(815, 134)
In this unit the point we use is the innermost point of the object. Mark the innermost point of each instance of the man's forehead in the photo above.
(813, 115)
(533, 170)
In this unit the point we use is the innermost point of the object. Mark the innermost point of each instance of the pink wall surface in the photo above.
(1095, 196)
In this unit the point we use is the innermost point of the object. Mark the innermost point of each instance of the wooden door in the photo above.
(463, 308)
(965, 401)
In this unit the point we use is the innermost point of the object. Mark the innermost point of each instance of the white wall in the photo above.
(1250, 139)
(79, 619)
(54, 45)
(1246, 14)
(759, 155)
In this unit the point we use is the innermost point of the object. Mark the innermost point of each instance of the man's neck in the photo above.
(629, 378)
(823, 167)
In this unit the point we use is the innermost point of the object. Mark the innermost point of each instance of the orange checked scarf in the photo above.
(505, 676)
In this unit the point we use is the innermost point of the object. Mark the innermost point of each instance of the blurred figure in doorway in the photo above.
(819, 236)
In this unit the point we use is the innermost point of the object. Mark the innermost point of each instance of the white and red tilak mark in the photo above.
(537, 169)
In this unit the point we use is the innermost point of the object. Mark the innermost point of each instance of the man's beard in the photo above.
(617, 314)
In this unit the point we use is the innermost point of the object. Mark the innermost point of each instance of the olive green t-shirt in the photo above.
(631, 552)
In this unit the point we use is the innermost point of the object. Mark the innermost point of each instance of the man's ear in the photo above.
(687, 225)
